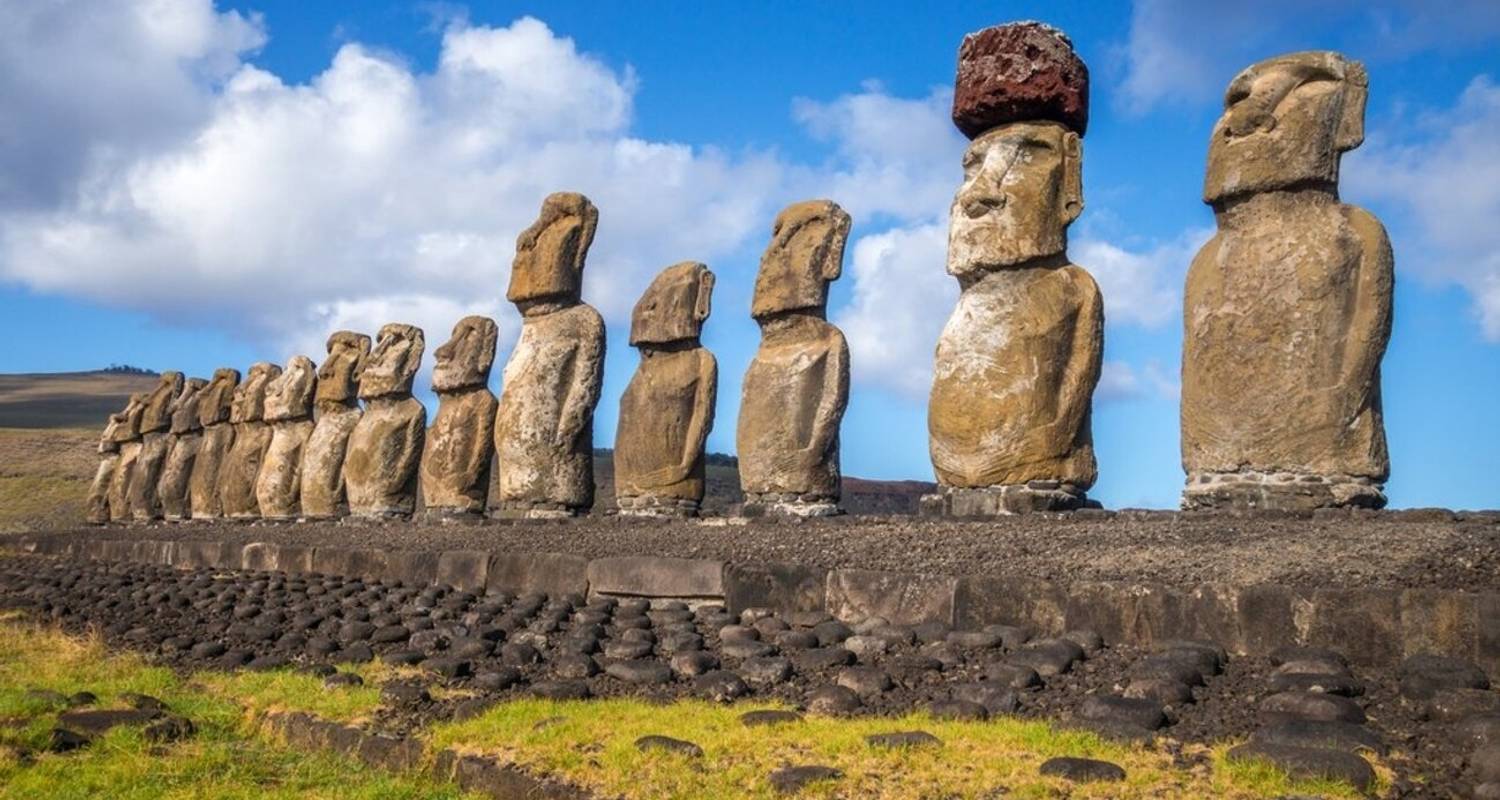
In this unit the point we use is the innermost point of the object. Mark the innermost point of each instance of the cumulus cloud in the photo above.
(1120, 380)
(1141, 287)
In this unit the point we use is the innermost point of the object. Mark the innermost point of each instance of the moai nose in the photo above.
(977, 207)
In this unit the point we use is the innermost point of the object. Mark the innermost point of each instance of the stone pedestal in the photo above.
(994, 501)
(1279, 491)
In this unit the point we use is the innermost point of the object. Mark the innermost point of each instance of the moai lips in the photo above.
(214, 406)
(1287, 309)
(289, 408)
(1018, 360)
(156, 420)
(186, 434)
(338, 411)
(252, 437)
(667, 411)
(455, 473)
(797, 386)
(385, 447)
(544, 425)
(127, 439)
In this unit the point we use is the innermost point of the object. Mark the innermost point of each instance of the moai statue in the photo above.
(214, 406)
(252, 437)
(127, 438)
(1287, 309)
(1013, 381)
(667, 410)
(156, 422)
(380, 466)
(797, 387)
(289, 410)
(456, 457)
(96, 508)
(338, 411)
(544, 428)
(182, 452)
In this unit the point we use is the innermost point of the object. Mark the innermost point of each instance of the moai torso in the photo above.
(455, 474)
(252, 437)
(127, 438)
(667, 410)
(544, 426)
(96, 507)
(337, 401)
(1287, 310)
(156, 422)
(186, 433)
(213, 448)
(289, 400)
(385, 447)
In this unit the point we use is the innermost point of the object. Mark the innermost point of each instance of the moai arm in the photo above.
(834, 398)
(583, 386)
(1370, 323)
(1084, 361)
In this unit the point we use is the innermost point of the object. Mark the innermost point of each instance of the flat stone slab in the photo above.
(1082, 770)
(95, 722)
(790, 780)
(1310, 763)
(669, 745)
(903, 739)
(652, 576)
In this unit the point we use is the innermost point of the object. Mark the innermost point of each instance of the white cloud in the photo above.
(1140, 288)
(1120, 380)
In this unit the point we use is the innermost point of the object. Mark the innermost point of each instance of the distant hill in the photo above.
(69, 399)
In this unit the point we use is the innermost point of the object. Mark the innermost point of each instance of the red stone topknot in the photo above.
(1023, 71)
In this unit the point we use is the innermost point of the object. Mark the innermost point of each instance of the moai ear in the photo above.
(413, 358)
(704, 303)
(1072, 189)
(1351, 132)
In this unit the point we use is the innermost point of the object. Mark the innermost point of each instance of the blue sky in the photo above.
(215, 184)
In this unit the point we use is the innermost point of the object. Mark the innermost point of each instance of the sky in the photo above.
(187, 184)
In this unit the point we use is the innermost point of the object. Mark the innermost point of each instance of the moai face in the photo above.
(1286, 121)
(290, 394)
(218, 396)
(394, 362)
(465, 359)
(129, 426)
(185, 407)
(548, 267)
(674, 306)
(249, 403)
(805, 254)
(1023, 186)
(158, 413)
(339, 374)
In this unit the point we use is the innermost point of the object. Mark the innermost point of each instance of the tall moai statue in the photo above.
(128, 442)
(385, 447)
(214, 407)
(1013, 381)
(337, 401)
(289, 410)
(460, 445)
(544, 428)
(156, 422)
(252, 437)
(96, 507)
(667, 410)
(1287, 309)
(182, 451)
(795, 391)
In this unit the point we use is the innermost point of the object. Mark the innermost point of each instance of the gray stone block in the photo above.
(901, 598)
(548, 573)
(649, 576)
(1035, 604)
(1363, 624)
(205, 555)
(260, 556)
(412, 567)
(1266, 617)
(464, 569)
(785, 587)
(1439, 621)
(294, 558)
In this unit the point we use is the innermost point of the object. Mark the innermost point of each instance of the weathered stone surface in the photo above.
(544, 428)
(455, 475)
(667, 410)
(184, 436)
(156, 422)
(982, 600)
(464, 569)
(1019, 72)
(785, 587)
(547, 573)
(96, 506)
(252, 437)
(1289, 305)
(127, 442)
(385, 447)
(1082, 770)
(1309, 763)
(899, 598)
(797, 387)
(337, 400)
(289, 406)
(214, 407)
(651, 576)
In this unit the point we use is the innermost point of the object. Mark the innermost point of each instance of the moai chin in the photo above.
(544, 427)
(186, 434)
(127, 440)
(156, 421)
(252, 437)
(460, 445)
(213, 449)
(337, 400)
(380, 466)
(289, 410)
(1287, 309)
(797, 387)
(667, 411)
(96, 507)
(1017, 362)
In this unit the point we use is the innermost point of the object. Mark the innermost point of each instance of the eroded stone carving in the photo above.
(797, 387)
(380, 466)
(544, 427)
(1019, 358)
(1287, 309)
(460, 444)
(156, 419)
(252, 437)
(96, 507)
(186, 433)
(214, 406)
(289, 407)
(667, 411)
(127, 438)
(337, 400)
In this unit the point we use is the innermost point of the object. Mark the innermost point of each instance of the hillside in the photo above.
(67, 399)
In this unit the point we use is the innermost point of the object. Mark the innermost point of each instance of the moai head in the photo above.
(393, 364)
(290, 394)
(1286, 122)
(465, 359)
(218, 396)
(129, 426)
(805, 254)
(185, 407)
(249, 403)
(548, 267)
(674, 306)
(1022, 96)
(338, 375)
(158, 413)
